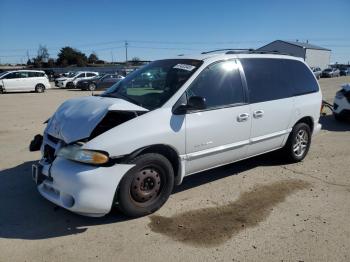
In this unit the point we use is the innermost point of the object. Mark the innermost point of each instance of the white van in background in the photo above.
(71, 80)
(24, 80)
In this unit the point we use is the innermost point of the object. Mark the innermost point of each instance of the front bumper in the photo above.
(84, 189)
(60, 84)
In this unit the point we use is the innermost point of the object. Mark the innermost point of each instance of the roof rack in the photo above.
(245, 51)
(254, 51)
(227, 49)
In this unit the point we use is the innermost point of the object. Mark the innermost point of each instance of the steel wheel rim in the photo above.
(301, 142)
(146, 185)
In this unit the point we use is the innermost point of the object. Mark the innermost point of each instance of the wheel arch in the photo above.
(307, 120)
(165, 150)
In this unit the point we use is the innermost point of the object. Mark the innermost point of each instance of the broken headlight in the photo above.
(75, 153)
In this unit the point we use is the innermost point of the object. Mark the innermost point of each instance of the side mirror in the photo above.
(194, 103)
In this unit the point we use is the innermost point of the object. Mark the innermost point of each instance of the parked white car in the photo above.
(24, 80)
(71, 80)
(341, 106)
(130, 146)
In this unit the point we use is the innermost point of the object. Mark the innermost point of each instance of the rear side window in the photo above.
(271, 79)
(90, 74)
(303, 80)
(81, 75)
(220, 84)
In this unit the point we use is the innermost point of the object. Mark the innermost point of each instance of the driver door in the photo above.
(220, 133)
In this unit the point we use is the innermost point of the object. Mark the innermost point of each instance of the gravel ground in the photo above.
(256, 210)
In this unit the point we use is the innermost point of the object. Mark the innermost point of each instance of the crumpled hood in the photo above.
(76, 118)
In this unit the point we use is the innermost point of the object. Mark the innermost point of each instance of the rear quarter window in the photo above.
(271, 79)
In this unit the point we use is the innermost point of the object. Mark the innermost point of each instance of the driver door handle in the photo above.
(243, 117)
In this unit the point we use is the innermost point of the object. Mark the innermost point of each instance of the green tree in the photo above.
(135, 61)
(71, 56)
(93, 58)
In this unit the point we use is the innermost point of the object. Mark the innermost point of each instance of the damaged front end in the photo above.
(77, 121)
(66, 173)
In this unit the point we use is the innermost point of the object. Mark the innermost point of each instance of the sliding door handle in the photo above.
(258, 113)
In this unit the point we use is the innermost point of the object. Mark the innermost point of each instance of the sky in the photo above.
(161, 29)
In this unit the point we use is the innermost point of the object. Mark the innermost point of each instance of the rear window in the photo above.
(271, 79)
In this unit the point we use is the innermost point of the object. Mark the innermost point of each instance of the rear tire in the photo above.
(147, 186)
(298, 143)
(39, 88)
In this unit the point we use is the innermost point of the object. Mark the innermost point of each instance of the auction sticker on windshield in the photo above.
(184, 67)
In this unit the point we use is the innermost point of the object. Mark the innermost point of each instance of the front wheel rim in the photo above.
(146, 185)
(301, 143)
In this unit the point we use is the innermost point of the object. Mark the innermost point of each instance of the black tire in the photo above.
(147, 186)
(92, 87)
(39, 88)
(291, 149)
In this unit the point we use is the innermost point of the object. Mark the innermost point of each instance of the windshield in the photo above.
(2, 74)
(152, 85)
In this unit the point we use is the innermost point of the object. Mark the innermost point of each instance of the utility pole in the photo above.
(112, 57)
(126, 51)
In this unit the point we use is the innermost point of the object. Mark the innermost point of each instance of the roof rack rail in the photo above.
(227, 49)
(254, 51)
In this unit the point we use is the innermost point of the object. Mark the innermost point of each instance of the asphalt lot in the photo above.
(260, 209)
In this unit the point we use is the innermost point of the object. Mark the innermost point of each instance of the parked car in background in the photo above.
(341, 106)
(345, 71)
(24, 80)
(50, 74)
(330, 72)
(130, 146)
(317, 72)
(99, 82)
(71, 79)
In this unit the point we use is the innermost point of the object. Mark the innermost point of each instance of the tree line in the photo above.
(67, 56)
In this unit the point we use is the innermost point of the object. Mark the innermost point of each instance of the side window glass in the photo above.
(22, 74)
(220, 84)
(303, 80)
(268, 79)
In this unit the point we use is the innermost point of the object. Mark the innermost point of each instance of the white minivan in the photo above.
(24, 80)
(72, 79)
(129, 146)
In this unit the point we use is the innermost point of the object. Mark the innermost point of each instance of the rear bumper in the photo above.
(83, 189)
